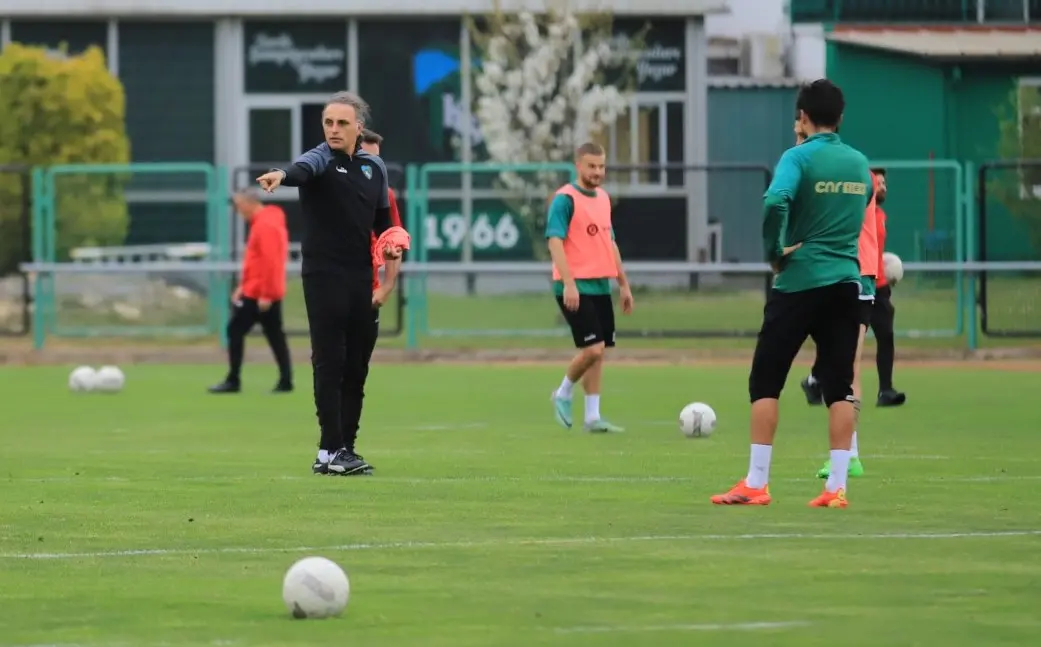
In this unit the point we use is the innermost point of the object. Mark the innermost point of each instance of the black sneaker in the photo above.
(890, 398)
(346, 463)
(283, 387)
(226, 387)
(812, 391)
(319, 467)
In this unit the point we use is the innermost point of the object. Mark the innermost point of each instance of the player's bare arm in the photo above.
(556, 253)
(624, 290)
(390, 280)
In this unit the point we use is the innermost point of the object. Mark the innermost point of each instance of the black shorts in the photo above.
(831, 316)
(593, 322)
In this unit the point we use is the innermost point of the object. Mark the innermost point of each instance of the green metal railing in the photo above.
(45, 244)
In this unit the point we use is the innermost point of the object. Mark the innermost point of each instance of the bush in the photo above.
(1019, 122)
(62, 110)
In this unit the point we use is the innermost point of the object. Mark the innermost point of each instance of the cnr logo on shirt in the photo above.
(852, 188)
(592, 230)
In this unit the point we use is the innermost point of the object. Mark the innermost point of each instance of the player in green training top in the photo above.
(814, 210)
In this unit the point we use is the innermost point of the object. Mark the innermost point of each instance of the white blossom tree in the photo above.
(542, 89)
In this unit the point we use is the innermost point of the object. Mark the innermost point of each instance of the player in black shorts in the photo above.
(585, 259)
(814, 211)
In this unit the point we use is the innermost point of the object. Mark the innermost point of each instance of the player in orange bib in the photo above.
(585, 259)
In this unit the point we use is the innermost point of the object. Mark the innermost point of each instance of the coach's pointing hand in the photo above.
(271, 180)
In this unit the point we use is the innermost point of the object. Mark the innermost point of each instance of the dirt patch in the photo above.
(18, 351)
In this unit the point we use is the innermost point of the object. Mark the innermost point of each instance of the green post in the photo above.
(412, 298)
(971, 236)
(39, 224)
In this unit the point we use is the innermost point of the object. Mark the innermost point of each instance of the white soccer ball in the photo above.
(315, 587)
(82, 379)
(893, 268)
(697, 420)
(109, 380)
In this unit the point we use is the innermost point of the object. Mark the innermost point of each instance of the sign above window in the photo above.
(295, 58)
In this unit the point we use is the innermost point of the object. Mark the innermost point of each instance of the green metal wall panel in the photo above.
(932, 109)
(746, 125)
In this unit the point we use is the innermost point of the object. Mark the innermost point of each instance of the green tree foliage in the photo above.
(1020, 138)
(62, 110)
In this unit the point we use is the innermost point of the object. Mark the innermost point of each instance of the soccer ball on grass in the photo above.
(315, 588)
(697, 420)
(893, 268)
(109, 380)
(82, 379)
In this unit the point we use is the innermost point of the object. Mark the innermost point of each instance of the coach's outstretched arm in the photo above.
(307, 167)
(776, 203)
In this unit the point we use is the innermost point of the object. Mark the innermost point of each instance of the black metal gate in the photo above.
(650, 217)
(1009, 302)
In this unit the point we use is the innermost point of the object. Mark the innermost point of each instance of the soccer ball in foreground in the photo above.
(109, 380)
(893, 267)
(82, 379)
(315, 587)
(697, 420)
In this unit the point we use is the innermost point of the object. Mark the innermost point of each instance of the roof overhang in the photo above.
(417, 9)
(952, 44)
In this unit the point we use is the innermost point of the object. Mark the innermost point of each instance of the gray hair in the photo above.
(251, 194)
(361, 108)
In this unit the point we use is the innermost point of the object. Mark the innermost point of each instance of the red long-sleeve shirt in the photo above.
(880, 227)
(267, 250)
(395, 221)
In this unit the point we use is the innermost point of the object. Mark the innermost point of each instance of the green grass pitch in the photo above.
(164, 516)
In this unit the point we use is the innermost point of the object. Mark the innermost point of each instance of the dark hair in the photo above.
(371, 137)
(589, 148)
(822, 102)
(878, 170)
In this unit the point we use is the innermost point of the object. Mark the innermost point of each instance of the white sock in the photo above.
(323, 456)
(565, 388)
(853, 451)
(839, 469)
(759, 466)
(592, 407)
(811, 380)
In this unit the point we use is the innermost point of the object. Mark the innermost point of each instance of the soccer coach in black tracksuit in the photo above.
(343, 200)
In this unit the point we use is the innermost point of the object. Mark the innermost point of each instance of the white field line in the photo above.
(737, 626)
(505, 542)
(434, 480)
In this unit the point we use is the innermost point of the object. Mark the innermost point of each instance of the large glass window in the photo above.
(409, 74)
(642, 140)
(76, 36)
(167, 69)
(271, 136)
(295, 58)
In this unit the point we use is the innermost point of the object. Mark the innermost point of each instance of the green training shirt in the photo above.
(557, 222)
(818, 196)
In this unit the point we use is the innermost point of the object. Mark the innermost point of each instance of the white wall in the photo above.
(748, 17)
(808, 52)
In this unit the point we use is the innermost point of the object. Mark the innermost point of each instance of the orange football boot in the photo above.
(827, 499)
(741, 494)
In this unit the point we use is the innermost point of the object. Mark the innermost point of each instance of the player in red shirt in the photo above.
(258, 299)
(883, 312)
(370, 142)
